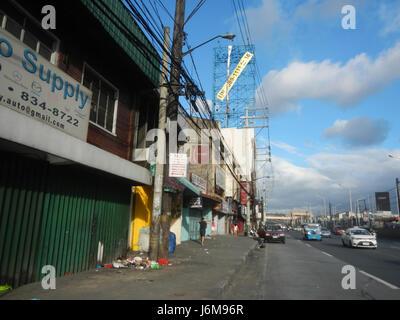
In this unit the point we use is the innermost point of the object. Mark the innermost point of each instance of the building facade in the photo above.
(75, 103)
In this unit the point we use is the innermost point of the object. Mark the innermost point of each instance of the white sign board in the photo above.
(199, 182)
(177, 165)
(31, 85)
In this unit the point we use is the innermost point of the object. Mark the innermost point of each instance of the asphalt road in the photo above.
(384, 262)
(318, 270)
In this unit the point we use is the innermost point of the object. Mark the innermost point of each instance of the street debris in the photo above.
(136, 261)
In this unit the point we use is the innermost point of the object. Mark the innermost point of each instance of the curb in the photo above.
(224, 283)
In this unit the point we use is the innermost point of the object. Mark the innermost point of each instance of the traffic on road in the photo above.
(333, 267)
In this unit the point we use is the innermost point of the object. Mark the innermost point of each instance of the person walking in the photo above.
(203, 227)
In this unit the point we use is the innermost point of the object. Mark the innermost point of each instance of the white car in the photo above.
(358, 237)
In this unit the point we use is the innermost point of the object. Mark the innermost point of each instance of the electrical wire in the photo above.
(150, 56)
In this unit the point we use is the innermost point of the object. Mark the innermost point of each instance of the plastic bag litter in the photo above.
(162, 261)
(118, 265)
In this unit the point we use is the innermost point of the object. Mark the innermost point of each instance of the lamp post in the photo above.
(397, 187)
(350, 201)
(324, 201)
(229, 36)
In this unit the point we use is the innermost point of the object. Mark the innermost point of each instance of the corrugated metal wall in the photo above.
(57, 215)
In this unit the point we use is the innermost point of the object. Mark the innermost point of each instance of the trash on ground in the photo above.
(162, 261)
(155, 266)
(118, 265)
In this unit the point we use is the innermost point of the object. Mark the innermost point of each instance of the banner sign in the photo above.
(243, 193)
(199, 182)
(177, 165)
(382, 201)
(235, 74)
(31, 85)
(196, 203)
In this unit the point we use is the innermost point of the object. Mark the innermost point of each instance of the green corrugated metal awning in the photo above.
(189, 186)
(117, 20)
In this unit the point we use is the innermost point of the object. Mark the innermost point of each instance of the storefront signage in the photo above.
(199, 182)
(31, 85)
(196, 203)
(243, 193)
(177, 165)
(225, 206)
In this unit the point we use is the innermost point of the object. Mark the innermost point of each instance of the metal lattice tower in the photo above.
(241, 95)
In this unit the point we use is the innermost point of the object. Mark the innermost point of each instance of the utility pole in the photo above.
(176, 52)
(172, 114)
(160, 160)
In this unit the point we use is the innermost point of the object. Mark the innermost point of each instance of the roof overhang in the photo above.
(23, 130)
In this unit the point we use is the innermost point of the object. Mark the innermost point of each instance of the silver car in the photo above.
(359, 238)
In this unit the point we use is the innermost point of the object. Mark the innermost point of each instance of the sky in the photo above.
(333, 93)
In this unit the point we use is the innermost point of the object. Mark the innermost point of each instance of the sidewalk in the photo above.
(195, 273)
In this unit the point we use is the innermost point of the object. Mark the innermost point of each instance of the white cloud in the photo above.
(365, 172)
(268, 19)
(343, 85)
(361, 131)
(389, 14)
(277, 20)
(286, 147)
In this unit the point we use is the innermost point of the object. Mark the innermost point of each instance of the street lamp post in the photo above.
(229, 36)
(350, 200)
(397, 187)
(324, 201)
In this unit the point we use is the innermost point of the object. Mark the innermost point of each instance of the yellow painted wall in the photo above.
(141, 215)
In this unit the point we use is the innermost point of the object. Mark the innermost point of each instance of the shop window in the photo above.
(104, 99)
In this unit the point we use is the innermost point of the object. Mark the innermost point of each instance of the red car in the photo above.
(275, 233)
(338, 230)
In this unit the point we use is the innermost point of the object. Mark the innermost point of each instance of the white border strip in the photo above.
(391, 286)
(327, 254)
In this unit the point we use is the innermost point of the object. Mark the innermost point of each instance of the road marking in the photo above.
(329, 255)
(308, 245)
(379, 280)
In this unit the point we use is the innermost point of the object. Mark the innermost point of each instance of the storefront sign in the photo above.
(196, 203)
(243, 193)
(199, 182)
(177, 165)
(225, 206)
(31, 85)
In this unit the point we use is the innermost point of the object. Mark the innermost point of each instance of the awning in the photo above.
(210, 197)
(26, 131)
(189, 186)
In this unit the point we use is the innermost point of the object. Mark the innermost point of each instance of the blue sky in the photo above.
(333, 93)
